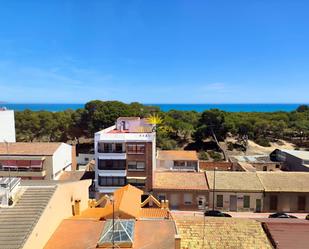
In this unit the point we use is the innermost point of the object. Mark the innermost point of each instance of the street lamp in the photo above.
(112, 200)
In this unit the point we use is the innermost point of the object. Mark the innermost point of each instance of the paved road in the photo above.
(239, 214)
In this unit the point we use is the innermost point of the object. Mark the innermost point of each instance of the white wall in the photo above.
(62, 158)
(81, 158)
(7, 126)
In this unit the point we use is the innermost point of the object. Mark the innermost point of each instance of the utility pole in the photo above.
(214, 189)
(113, 238)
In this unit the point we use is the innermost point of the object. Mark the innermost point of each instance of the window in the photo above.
(187, 198)
(264, 168)
(136, 148)
(111, 164)
(191, 164)
(301, 203)
(246, 201)
(112, 181)
(219, 201)
(110, 147)
(137, 182)
(118, 148)
(273, 202)
(136, 166)
(179, 163)
(161, 197)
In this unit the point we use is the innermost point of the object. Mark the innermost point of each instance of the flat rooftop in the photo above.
(28, 149)
(182, 155)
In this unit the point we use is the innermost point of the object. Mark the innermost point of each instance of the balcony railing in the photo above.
(110, 151)
(22, 172)
(20, 169)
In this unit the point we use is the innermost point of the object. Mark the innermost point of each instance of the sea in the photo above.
(164, 107)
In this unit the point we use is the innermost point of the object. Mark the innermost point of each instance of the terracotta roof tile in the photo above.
(81, 234)
(228, 233)
(76, 234)
(285, 181)
(189, 155)
(234, 181)
(154, 213)
(180, 180)
(288, 235)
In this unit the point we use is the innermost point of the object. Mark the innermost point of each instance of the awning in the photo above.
(34, 158)
(136, 177)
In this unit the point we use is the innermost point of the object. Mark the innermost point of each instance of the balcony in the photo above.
(6, 172)
(100, 150)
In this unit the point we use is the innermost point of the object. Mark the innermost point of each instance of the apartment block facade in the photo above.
(7, 125)
(35, 161)
(125, 154)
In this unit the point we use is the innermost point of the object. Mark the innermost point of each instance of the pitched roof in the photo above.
(127, 204)
(284, 181)
(229, 233)
(286, 235)
(76, 234)
(29, 149)
(234, 181)
(16, 223)
(76, 175)
(154, 213)
(85, 233)
(180, 180)
(186, 155)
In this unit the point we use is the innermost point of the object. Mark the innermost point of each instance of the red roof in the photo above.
(286, 235)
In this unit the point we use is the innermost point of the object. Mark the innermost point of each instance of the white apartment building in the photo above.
(125, 154)
(7, 125)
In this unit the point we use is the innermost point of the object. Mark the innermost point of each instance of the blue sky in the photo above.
(190, 51)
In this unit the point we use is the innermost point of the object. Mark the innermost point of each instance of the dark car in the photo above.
(216, 213)
(282, 215)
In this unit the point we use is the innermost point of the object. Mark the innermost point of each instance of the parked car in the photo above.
(282, 215)
(216, 213)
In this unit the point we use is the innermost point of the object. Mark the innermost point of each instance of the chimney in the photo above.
(177, 241)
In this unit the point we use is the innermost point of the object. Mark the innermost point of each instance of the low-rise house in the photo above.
(136, 226)
(292, 160)
(234, 191)
(285, 191)
(91, 233)
(219, 166)
(254, 163)
(182, 160)
(35, 161)
(38, 209)
(183, 190)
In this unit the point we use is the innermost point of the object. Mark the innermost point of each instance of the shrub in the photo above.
(203, 155)
(215, 155)
(263, 142)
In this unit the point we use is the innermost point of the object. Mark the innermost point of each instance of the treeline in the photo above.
(179, 128)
